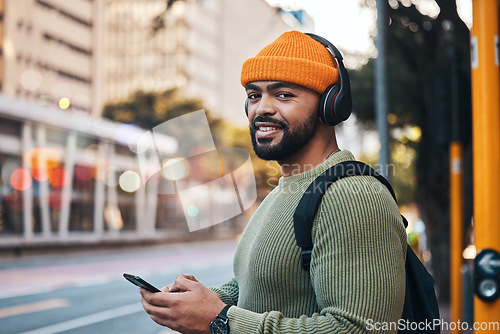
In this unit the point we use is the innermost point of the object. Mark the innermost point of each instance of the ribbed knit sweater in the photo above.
(357, 268)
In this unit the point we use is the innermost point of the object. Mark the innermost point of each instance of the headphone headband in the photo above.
(328, 45)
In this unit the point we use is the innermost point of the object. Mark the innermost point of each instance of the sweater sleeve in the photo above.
(357, 267)
(228, 292)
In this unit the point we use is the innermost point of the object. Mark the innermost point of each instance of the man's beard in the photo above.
(291, 141)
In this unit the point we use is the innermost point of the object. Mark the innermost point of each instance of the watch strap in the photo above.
(220, 325)
(223, 313)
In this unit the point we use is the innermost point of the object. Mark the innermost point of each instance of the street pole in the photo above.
(486, 147)
(456, 195)
(381, 99)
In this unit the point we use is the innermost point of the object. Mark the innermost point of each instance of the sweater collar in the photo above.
(312, 173)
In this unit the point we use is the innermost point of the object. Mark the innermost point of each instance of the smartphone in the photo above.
(141, 282)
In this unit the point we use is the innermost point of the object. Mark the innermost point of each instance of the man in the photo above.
(357, 265)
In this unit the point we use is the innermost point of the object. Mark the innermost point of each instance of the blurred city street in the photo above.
(85, 292)
(128, 135)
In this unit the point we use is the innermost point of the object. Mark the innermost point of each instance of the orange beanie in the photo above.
(293, 57)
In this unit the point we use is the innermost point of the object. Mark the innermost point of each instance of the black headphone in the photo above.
(335, 104)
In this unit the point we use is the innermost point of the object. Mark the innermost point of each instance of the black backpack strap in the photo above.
(305, 212)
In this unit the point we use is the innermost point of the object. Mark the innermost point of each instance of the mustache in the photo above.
(267, 119)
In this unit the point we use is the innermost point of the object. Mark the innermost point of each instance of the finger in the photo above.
(183, 283)
(190, 277)
(175, 287)
(171, 288)
(155, 298)
(159, 314)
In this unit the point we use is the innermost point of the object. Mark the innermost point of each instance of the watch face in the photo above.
(218, 326)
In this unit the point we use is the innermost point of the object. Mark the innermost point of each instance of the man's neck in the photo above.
(305, 160)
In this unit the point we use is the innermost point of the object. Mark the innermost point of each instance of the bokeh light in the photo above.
(392, 119)
(175, 169)
(40, 174)
(21, 179)
(58, 177)
(414, 133)
(130, 181)
(42, 160)
(193, 211)
(64, 103)
(84, 173)
(43, 157)
(469, 252)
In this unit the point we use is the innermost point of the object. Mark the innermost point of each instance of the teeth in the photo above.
(267, 128)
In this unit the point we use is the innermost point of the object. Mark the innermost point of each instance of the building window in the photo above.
(69, 45)
(64, 13)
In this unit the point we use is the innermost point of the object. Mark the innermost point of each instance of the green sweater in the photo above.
(357, 269)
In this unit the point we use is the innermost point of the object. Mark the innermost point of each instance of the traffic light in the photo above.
(487, 275)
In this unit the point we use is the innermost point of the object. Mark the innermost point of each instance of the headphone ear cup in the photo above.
(326, 105)
(342, 105)
(246, 107)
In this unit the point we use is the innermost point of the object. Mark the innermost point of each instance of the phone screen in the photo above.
(141, 282)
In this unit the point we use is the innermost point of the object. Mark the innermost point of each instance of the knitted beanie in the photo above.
(293, 57)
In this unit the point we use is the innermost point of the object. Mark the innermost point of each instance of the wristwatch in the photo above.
(220, 324)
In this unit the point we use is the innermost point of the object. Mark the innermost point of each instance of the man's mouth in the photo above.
(267, 129)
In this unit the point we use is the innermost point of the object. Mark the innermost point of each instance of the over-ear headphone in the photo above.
(335, 104)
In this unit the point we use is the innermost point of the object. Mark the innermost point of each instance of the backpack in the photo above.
(420, 311)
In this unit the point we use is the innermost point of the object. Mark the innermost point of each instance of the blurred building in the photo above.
(89, 53)
(197, 46)
(48, 52)
(61, 61)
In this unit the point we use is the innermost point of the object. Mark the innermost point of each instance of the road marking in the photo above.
(33, 307)
(88, 320)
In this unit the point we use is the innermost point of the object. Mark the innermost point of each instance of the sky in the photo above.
(349, 27)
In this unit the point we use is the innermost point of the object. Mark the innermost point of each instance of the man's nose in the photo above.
(266, 106)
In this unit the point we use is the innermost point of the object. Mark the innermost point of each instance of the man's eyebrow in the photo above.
(283, 84)
(251, 86)
(273, 86)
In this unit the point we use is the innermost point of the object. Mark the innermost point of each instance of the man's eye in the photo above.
(285, 95)
(253, 96)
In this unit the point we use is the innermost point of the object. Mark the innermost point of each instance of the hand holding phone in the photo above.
(141, 283)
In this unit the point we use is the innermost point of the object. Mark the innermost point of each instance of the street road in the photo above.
(86, 293)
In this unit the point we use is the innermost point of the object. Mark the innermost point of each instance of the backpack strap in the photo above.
(305, 212)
